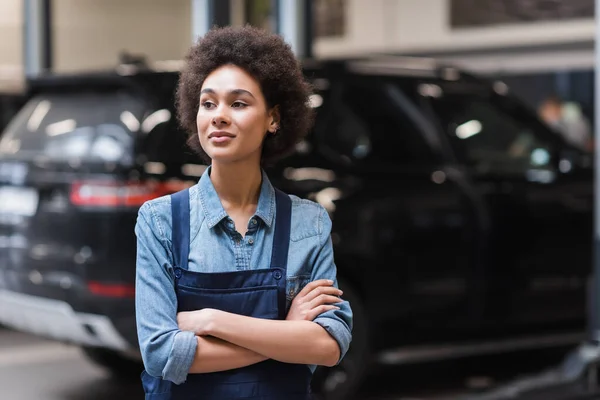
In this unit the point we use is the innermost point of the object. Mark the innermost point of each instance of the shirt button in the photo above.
(250, 241)
(277, 275)
(253, 221)
(177, 273)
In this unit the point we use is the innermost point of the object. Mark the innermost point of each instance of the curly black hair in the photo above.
(270, 60)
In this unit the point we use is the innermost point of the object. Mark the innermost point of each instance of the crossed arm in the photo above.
(228, 341)
(173, 345)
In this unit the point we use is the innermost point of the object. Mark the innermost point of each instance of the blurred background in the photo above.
(453, 148)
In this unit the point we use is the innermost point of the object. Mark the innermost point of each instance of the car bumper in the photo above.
(56, 319)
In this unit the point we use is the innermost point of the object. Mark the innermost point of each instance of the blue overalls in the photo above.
(255, 293)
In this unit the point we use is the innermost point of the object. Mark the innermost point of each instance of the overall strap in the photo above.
(180, 213)
(283, 222)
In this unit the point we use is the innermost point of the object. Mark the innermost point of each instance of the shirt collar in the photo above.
(214, 211)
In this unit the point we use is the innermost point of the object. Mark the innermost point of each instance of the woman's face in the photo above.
(233, 118)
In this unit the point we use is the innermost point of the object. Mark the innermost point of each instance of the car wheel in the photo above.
(344, 380)
(119, 365)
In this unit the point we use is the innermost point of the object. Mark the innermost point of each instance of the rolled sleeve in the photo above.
(338, 327)
(338, 323)
(181, 357)
(167, 352)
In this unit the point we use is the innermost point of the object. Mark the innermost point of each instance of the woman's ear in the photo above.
(274, 117)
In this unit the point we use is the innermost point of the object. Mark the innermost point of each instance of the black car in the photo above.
(10, 103)
(462, 224)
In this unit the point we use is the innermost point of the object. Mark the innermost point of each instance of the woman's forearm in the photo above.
(213, 355)
(297, 342)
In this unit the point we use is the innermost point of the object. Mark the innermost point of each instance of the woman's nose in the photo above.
(220, 118)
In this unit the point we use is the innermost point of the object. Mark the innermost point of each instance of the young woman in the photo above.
(236, 292)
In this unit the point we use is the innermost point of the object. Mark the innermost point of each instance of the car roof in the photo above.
(151, 73)
(102, 80)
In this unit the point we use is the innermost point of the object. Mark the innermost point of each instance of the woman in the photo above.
(236, 293)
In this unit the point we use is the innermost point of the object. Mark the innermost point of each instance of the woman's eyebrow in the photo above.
(234, 91)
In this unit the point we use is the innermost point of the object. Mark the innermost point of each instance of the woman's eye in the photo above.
(207, 104)
(238, 104)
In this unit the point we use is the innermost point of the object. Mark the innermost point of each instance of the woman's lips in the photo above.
(220, 137)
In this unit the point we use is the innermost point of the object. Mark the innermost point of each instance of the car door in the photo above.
(402, 222)
(540, 207)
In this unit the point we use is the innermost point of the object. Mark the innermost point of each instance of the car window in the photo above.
(366, 127)
(488, 135)
(166, 143)
(84, 126)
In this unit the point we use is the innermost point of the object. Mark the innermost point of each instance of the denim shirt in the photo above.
(216, 246)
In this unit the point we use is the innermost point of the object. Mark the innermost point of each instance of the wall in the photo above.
(415, 26)
(90, 34)
(11, 54)
(366, 30)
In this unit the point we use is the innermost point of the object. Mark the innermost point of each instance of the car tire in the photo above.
(344, 380)
(120, 366)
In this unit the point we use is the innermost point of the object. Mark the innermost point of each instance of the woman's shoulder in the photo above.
(158, 211)
(309, 219)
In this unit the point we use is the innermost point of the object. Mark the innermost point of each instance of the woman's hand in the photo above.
(199, 321)
(313, 300)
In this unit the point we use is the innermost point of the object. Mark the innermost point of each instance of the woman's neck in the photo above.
(237, 184)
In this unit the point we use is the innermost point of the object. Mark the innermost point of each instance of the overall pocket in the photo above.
(257, 302)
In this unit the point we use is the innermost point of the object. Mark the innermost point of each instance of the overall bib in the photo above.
(255, 293)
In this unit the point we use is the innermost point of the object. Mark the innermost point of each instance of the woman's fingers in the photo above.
(314, 299)
(322, 290)
(315, 312)
(324, 299)
(313, 285)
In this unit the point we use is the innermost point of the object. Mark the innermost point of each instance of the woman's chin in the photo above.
(229, 156)
(226, 158)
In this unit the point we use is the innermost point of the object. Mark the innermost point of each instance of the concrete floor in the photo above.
(36, 369)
